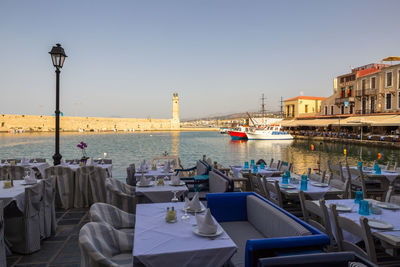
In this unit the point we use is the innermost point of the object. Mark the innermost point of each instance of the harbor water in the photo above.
(126, 148)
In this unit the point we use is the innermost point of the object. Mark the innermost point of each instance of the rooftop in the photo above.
(306, 98)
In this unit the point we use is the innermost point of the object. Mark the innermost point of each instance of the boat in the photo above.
(271, 132)
(239, 133)
(223, 130)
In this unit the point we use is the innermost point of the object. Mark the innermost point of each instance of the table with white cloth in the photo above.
(314, 192)
(74, 167)
(40, 166)
(159, 173)
(266, 172)
(370, 173)
(158, 243)
(388, 216)
(15, 193)
(161, 193)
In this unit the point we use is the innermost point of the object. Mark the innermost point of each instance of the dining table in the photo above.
(161, 193)
(15, 193)
(390, 175)
(391, 217)
(157, 173)
(266, 171)
(40, 166)
(315, 190)
(159, 243)
(74, 167)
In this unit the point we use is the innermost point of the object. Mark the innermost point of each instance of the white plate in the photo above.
(24, 183)
(149, 185)
(391, 171)
(389, 206)
(377, 224)
(319, 184)
(180, 184)
(195, 230)
(193, 211)
(288, 187)
(341, 207)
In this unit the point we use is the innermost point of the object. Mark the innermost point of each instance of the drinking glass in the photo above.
(285, 179)
(363, 208)
(186, 215)
(252, 162)
(359, 165)
(358, 197)
(175, 198)
(27, 172)
(246, 164)
(304, 177)
(287, 173)
(255, 168)
(303, 185)
(262, 166)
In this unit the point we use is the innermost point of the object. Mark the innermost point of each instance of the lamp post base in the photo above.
(57, 159)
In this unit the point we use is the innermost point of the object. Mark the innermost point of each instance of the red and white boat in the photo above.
(239, 133)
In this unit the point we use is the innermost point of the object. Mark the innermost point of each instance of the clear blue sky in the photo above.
(127, 57)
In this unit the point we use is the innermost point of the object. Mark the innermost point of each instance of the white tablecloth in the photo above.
(41, 166)
(74, 167)
(314, 192)
(389, 216)
(159, 173)
(158, 243)
(264, 172)
(161, 193)
(15, 193)
(390, 175)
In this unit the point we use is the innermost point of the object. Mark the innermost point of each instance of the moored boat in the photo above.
(239, 133)
(272, 132)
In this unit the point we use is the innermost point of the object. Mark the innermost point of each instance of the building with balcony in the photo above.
(302, 106)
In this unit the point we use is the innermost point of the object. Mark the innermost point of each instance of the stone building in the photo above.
(302, 106)
(35, 123)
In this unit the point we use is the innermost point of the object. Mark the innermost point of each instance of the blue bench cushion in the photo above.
(240, 232)
(270, 221)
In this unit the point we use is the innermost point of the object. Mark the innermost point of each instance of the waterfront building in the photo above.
(301, 106)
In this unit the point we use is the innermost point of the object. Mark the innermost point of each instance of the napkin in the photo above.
(166, 166)
(143, 166)
(206, 224)
(25, 161)
(175, 180)
(144, 181)
(31, 179)
(193, 204)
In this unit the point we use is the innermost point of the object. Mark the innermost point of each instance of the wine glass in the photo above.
(175, 198)
(27, 172)
(186, 215)
(105, 155)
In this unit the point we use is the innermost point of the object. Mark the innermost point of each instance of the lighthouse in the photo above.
(175, 122)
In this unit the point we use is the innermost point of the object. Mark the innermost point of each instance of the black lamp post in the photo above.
(58, 57)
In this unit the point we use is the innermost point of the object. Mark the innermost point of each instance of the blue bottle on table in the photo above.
(285, 179)
(358, 197)
(246, 164)
(363, 208)
(303, 185)
(287, 173)
(255, 168)
(262, 166)
(378, 170)
(252, 163)
(304, 177)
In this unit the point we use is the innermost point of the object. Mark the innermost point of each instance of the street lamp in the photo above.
(58, 57)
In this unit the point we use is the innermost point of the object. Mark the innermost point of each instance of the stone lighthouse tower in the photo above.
(175, 122)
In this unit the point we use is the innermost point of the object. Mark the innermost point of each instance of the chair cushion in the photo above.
(217, 184)
(270, 221)
(240, 232)
(201, 168)
(124, 259)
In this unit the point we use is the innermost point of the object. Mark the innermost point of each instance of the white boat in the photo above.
(271, 132)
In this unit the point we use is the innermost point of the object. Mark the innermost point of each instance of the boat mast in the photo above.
(263, 109)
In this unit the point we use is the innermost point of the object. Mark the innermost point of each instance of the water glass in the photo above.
(246, 164)
(285, 179)
(364, 208)
(358, 197)
(378, 170)
(303, 185)
(262, 166)
(252, 162)
(304, 177)
(255, 168)
(287, 173)
(359, 165)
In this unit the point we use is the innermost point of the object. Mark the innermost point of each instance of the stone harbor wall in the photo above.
(33, 123)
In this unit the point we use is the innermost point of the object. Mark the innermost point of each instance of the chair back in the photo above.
(3, 173)
(120, 186)
(123, 201)
(274, 192)
(130, 172)
(16, 172)
(361, 230)
(254, 185)
(32, 206)
(336, 169)
(316, 177)
(271, 162)
(336, 182)
(49, 212)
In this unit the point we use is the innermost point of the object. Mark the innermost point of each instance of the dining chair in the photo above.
(391, 196)
(317, 216)
(48, 213)
(336, 182)
(22, 230)
(254, 184)
(124, 188)
(102, 245)
(123, 201)
(274, 192)
(64, 185)
(3, 259)
(3, 173)
(395, 167)
(271, 162)
(90, 186)
(361, 230)
(130, 172)
(373, 188)
(16, 172)
(336, 169)
(260, 184)
(109, 214)
(316, 177)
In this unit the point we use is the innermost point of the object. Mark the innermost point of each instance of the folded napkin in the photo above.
(144, 181)
(193, 204)
(206, 224)
(175, 180)
(31, 179)
(25, 161)
(143, 166)
(166, 166)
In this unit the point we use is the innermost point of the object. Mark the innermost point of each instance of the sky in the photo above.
(126, 58)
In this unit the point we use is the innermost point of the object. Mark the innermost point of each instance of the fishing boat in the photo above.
(223, 130)
(239, 133)
(271, 132)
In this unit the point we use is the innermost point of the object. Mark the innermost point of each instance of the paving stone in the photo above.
(31, 265)
(74, 215)
(12, 259)
(47, 251)
(67, 258)
(67, 265)
(67, 222)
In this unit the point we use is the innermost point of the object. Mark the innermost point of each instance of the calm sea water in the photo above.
(126, 148)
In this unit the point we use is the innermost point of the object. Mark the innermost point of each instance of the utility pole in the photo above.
(281, 106)
(263, 109)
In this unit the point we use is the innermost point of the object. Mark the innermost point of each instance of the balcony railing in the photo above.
(366, 111)
(366, 92)
(339, 101)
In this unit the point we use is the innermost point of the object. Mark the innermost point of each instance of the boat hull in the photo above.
(238, 135)
(263, 136)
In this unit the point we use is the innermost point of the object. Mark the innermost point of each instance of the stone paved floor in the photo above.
(59, 250)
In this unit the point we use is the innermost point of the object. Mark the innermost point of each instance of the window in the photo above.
(306, 108)
(373, 82)
(389, 77)
(342, 92)
(342, 109)
(351, 109)
(326, 110)
(372, 105)
(363, 84)
(398, 100)
(388, 101)
(331, 110)
(350, 91)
